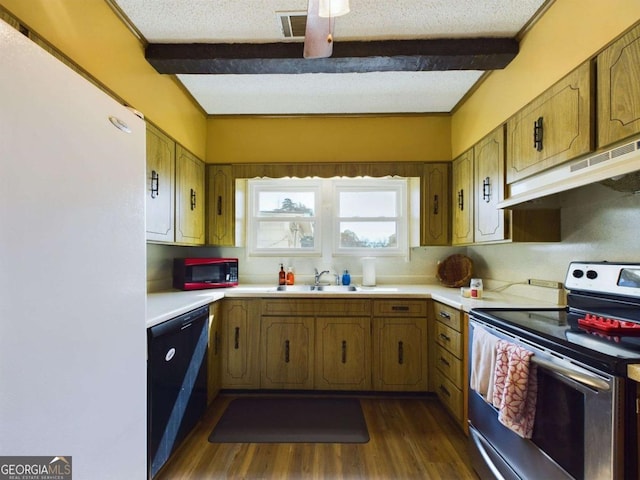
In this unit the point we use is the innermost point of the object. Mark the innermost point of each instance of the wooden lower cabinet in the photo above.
(449, 347)
(287, 352)
(343, 353)
(214, 363)
(400, 354)
(328, 344)
(400, 351)
(240, 328)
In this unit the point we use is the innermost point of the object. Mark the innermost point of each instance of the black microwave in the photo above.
(199, 273)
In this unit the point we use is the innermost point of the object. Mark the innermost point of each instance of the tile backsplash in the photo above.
(598, 224)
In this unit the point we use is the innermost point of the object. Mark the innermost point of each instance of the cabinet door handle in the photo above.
(538, 133)
(219, 206)
(444, 337)
(193, 199)
(444, 361)
(236, 343)
(436, 204)
(444, 314)
(286, 351)
(155, 184)
(461, 199)
(445, 391)
(344, 351)
(486, 189)
(400, 352)
(400, 308)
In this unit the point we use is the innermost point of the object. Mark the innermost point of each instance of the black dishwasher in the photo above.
(176, 382)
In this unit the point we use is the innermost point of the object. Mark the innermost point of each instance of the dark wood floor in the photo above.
(409, 438)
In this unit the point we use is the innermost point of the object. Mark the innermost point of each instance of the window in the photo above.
(370, 215)
(283, 216)
(327, 216)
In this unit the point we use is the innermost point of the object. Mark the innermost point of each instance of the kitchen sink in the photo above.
(318, 288)
(336, 288)
(295, 288)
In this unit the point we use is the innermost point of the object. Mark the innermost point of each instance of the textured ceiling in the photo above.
(252, 21)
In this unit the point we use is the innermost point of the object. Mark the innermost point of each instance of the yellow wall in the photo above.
(328, 139)
(90, 34)
(570, 32)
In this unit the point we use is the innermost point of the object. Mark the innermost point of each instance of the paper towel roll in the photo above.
(368, 271)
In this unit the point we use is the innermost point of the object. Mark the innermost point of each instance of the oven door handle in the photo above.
(479, 444)
(580, 376)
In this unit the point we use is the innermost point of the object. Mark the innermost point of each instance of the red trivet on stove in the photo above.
(609, 325)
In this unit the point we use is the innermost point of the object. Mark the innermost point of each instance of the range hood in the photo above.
(609, 166)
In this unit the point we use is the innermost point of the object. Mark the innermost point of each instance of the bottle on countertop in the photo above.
(476, 287)
(281, 276)
(290, 276)
(346, 278)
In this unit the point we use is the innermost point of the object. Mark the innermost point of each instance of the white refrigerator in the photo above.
(72, 269)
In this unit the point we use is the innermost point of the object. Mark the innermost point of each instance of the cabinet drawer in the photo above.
(449, 365)
(448, 315)
(400, 308)
(449, 339)
(449, 395)
(318, 308)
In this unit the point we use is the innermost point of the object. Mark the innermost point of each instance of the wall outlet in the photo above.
(545, 283)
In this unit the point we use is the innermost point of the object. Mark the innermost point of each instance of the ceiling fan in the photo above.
(318, 36)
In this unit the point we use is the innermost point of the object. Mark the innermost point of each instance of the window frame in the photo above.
(254, 218)
(327, 235)
(399, 186)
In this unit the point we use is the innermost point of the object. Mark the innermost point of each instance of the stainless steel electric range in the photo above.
(586, 421)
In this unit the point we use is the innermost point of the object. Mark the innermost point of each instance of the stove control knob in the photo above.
(578, 273)
(592, 274)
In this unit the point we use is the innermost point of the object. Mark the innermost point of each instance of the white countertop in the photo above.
(163, 306)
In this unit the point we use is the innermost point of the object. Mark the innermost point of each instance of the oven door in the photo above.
(575, 432)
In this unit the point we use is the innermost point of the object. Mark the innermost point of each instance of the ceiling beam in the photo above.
(348, 57)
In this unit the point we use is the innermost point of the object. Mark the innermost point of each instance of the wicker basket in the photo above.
(455, 271)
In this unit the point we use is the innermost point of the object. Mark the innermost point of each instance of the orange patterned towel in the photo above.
(515, 388)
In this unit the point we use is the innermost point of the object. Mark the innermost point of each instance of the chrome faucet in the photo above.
(318, 275)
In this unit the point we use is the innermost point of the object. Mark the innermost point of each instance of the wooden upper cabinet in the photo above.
(489, 187)
(220, 206)
(554, 128)
(462, 199)
(619, 89)
(190, 198)
(160, 201)
(435, 222)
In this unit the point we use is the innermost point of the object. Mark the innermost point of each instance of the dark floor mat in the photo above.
(291, 420)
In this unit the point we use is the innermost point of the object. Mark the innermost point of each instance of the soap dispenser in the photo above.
(346, 278)
(290, 276)
(281, 276)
